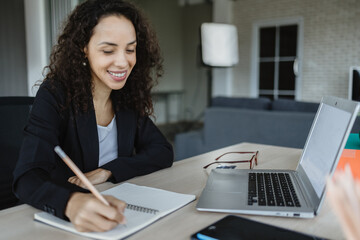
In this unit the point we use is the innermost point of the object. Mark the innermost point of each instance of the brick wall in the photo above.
(331, 42)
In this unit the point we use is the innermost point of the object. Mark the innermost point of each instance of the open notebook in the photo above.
(152, 203)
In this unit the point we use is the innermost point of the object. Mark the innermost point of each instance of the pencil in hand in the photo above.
(80, 175)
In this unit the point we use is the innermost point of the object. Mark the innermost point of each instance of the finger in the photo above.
(72, 179)
(115, 211)
(79, 183)
(347, 169)
(98, 176)
(102, 224)
(82, 224)
(87, 226)
(349, 187)
(73, 182)
(118, 204)
(92, 172)
(76, 181)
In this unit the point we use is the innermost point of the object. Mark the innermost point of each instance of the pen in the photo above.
(80, 175)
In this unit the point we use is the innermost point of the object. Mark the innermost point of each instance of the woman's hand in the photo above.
(88, 214)
(96, 176)
(344, 197)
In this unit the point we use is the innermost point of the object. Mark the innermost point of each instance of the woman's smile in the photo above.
(117, 75)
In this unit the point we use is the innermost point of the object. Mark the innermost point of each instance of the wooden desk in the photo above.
(185, 176)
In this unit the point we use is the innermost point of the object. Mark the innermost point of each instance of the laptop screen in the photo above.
(323, 144)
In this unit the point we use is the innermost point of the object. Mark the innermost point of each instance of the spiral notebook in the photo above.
(145, 206)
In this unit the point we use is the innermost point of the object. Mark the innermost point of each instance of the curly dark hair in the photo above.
(67, 57)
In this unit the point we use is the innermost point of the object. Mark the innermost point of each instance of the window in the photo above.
(277, 60)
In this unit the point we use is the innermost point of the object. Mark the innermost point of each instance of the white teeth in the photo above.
(117, 74)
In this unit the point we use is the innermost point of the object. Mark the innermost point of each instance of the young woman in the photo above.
(94, 103)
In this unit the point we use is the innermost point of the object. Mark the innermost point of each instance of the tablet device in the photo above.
(235, 227)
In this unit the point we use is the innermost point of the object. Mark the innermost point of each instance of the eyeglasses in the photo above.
(251, 161)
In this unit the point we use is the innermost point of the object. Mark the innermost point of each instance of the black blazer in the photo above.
(40, 177)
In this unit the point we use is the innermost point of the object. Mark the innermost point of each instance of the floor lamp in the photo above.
(219, 48)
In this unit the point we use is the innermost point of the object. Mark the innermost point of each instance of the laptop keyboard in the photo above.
(272, 189)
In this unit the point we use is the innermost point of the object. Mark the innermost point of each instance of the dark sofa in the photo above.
(229, 121)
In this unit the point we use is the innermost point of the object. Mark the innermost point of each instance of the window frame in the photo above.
(255, 51)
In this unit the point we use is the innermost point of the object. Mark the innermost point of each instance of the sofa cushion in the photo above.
(242, 102)
(294, 106)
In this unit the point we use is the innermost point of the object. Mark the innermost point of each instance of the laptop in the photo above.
(288, 193)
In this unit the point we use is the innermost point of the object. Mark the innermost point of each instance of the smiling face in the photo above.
(111, 52)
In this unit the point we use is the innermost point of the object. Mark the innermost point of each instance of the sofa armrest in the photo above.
(188, 144)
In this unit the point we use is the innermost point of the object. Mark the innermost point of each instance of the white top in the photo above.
(108, 144)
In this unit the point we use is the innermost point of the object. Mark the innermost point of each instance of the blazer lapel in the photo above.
(88, 138)
(126, 128)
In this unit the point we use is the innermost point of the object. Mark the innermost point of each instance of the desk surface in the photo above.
(186, 176)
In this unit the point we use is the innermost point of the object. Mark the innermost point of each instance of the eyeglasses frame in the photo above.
(254, 157)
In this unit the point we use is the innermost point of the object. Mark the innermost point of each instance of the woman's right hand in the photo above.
(88, 214)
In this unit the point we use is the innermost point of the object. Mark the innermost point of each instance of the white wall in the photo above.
(330, 45)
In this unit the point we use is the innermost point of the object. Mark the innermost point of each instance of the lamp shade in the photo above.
(219, 44)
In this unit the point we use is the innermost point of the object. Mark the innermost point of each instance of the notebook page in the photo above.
(164, 201)
(159, 199)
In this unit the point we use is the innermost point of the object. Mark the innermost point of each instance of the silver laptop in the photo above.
(288, 193)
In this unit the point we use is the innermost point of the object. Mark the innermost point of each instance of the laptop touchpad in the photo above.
(227, 180)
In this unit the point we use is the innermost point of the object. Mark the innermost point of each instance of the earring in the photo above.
(84, 61)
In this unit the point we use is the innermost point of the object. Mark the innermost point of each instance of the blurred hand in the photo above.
(88, 214)
(96, 176)
(344, 197)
